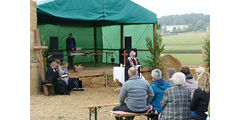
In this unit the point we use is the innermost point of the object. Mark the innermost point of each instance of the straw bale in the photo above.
(193, 72)
(93, 82)
(147, 76)
(34, 79)
(170, 62)
(33, 15)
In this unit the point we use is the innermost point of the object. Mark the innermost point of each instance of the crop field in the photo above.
(186, 47)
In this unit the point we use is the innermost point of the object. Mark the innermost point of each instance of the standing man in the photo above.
(70, 46)
(131, 61)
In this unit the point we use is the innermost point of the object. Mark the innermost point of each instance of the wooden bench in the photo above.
(123, 114)
(95, 109)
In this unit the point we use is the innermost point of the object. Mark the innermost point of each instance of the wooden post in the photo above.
(154, 34)
(42, 72)
(95, 43)
(124, 55)
(122, 32)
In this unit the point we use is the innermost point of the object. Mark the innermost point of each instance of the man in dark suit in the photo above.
(70, 46)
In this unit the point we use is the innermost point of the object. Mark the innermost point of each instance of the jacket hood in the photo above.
(189, 76)
(161, 83)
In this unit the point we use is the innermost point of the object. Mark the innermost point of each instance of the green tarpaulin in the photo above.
(61, 17)
(118, 11)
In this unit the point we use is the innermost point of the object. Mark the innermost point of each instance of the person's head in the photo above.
(178, 78)
(185, 70)
(170, 72)
(204, 82)
(156, 74)
(58, 61)
(53, 65)
(199, 70)
(132, 72)
(64, 64)
(132, 54)
(70, 35)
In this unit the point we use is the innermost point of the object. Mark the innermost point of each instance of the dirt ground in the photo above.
(68, 107)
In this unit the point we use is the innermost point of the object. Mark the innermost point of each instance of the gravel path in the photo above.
(67, 107)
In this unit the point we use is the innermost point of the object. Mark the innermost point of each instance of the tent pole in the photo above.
(95, 42)
(154, 34)
(122, 36)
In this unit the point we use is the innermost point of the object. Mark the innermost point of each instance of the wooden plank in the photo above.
(40, 47)
(122, 33)
(128, 114)
(95, 42)
(42, 72)
(101, 105)
(154, 34)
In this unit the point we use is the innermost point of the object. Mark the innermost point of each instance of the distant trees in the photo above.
(195, 22)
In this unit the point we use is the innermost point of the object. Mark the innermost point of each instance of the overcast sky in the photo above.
(173, 7)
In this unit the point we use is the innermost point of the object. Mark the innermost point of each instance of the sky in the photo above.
(174, 7)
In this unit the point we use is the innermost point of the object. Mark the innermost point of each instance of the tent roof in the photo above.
(116, 11)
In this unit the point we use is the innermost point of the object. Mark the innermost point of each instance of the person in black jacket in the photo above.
(70, 46)
(131, 61)
(201, 97)
(52, 75)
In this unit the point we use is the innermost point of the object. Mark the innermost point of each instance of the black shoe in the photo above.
(66, 93)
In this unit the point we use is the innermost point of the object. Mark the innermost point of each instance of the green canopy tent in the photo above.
(98, 25)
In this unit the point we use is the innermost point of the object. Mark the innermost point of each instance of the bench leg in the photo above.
(90, 114)
(106, 80)
(95, 112)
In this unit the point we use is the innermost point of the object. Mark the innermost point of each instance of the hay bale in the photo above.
(33, 15)
(170, 62)
(147, 76)
(34, 79)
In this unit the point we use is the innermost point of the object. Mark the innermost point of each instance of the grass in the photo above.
(186, 47)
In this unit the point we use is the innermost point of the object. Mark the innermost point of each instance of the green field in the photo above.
(186, 47)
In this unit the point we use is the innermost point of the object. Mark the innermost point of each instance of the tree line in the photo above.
(194, 22)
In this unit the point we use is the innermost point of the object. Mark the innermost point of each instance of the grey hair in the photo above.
(178, 78)
(170, 72)
(132, 52)
(199, 70)
(156, 73)
(132, 71)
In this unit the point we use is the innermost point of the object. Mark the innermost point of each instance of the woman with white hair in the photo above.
(131, 61)
(199, 71)
(176, 101)
(158, 86)
(201, 97)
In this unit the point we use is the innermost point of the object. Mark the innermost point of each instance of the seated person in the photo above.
(190, 83)
(52, 75)
(137, 92)
(158, 86)
(58, 64)
(199, 71)
(176, 101)
(63, 72)
(169, 74)
(201, 97)
(71, 83)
